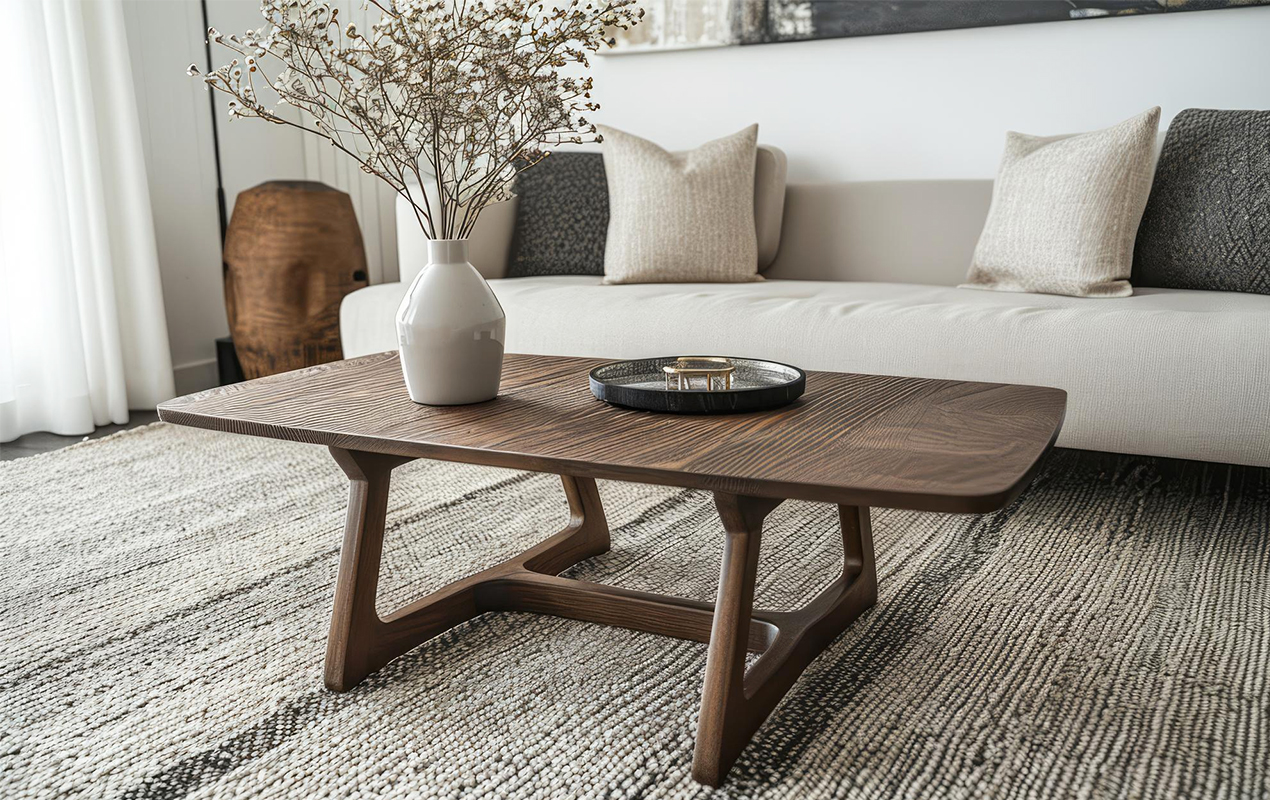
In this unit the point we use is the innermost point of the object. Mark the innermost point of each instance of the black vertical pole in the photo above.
(228, 369)
(211, 99)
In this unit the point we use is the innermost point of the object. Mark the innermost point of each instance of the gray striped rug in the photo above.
(164, 597)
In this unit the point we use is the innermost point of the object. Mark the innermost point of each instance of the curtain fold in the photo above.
(82, 331)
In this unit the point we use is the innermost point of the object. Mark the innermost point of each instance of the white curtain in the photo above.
(82, 331)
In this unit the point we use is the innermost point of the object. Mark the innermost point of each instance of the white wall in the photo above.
(164, 37)
(937, 105)
(924, 105)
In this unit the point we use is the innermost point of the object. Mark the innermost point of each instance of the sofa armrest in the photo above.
(770, 168)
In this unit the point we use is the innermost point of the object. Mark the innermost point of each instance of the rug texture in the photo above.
(164, 599)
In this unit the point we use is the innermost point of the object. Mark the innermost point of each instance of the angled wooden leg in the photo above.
(719, 737)
(351, 647)
(360, 641)
(735, 703)
(586, 536)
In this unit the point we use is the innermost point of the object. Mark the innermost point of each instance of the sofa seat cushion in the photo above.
(1163, 372)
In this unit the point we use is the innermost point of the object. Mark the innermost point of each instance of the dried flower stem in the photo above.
(467, 93)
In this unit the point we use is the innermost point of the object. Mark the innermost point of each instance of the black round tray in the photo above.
(641, 383)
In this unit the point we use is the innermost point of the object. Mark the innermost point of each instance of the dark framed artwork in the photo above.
(690, 24)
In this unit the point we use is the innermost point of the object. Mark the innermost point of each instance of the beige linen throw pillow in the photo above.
(680, 217)
(1065, 211)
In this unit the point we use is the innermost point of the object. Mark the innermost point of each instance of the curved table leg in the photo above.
(734, 702)
(360, 641)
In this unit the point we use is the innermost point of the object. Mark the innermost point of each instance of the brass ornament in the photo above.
(679, 375)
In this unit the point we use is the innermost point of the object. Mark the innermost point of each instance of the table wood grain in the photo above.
(858, 440)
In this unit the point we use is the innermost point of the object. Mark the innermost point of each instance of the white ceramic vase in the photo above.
(450, 330)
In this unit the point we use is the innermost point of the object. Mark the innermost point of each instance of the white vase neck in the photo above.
(447, 251)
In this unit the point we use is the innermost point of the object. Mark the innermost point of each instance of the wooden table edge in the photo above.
(978, 503)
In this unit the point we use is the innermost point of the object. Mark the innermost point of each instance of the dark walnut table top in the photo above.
(868, 440)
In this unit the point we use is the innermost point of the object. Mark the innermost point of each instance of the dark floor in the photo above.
(34, 443)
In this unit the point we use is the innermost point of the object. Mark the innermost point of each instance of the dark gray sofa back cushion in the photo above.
(1207, 223)
(562, 217)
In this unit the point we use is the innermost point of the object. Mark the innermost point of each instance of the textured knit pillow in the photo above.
(562, 217)
(1065, 211)
(679, 217)
(1207, 224)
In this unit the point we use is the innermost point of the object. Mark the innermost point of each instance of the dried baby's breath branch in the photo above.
(468, 92)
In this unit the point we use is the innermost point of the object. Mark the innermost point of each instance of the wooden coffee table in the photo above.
(853, 440)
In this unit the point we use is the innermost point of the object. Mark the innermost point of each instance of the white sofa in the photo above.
(864, 280)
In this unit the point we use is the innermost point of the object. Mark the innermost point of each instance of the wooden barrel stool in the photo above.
(292, 251)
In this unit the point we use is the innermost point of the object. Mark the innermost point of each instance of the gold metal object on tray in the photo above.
(711, 368)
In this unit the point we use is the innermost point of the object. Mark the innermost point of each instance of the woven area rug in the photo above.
(164, 598)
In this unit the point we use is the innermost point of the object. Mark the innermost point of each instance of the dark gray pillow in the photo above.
(1207, 223)
(562, 217)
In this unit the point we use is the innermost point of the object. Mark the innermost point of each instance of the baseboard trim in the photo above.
(195, 376)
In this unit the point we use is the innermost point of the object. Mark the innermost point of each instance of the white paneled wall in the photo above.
(372, 198)
(253, 151)
(164, 37)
